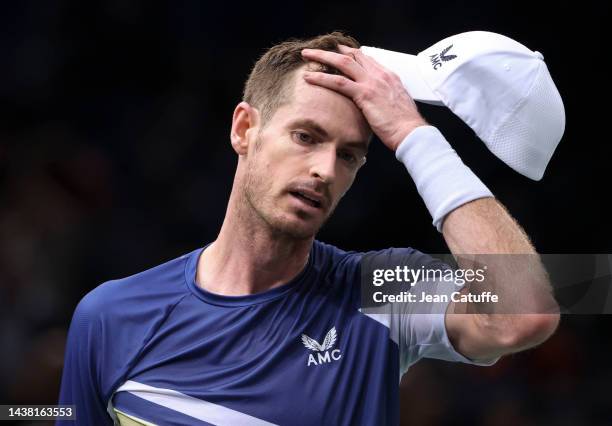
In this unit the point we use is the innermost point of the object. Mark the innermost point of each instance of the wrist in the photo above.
(404, 130)
(442, 180)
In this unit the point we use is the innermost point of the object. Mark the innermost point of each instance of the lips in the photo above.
(310, 198)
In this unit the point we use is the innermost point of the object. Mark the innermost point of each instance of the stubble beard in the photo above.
(260, 209)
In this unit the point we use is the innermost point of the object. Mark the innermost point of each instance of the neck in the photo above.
(248, 256)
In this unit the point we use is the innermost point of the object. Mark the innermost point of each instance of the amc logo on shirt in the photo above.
(323, 351)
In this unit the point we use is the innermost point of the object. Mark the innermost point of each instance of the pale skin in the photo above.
(263, 247)
(314, 145)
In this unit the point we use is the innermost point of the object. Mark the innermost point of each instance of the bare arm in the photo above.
(484, 227)
(478, 227)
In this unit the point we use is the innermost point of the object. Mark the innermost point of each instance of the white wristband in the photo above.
(443, 181)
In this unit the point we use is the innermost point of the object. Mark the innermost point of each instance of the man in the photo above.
(264, 325)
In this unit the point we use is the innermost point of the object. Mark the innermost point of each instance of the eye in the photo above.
(348, 156)
(302, 137)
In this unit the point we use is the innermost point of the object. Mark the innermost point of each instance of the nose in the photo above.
(324, 165)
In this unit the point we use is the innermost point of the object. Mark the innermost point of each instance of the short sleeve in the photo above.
(425, 336)
(81, 375)
(419, 329)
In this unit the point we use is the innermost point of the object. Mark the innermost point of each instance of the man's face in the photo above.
(305, 159)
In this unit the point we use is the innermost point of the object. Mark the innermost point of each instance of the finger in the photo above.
(338, 83)
(367, 62)
(356, 54)
(346, 49)
(359, 56)
(344, 63)
(370, 64)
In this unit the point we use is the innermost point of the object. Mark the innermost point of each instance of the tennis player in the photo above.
(264, 325)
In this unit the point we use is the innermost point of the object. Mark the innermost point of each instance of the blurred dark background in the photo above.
(115, 156)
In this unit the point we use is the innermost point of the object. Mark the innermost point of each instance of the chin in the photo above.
(299, 231)
(286, 220)
(296, 227)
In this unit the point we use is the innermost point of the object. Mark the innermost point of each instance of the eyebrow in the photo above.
(314, 126)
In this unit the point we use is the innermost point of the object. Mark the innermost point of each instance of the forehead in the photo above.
(336, 113)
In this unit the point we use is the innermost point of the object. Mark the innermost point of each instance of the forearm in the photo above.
(480, 233)
(484, 226)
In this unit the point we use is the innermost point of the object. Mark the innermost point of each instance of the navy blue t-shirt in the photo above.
(155, 348)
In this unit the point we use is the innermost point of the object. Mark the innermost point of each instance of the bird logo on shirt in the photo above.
(322, 350)
(328, 342)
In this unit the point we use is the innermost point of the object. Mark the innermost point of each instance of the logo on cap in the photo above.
(438, 59)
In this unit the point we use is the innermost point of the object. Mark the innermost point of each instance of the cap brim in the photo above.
(406, 66)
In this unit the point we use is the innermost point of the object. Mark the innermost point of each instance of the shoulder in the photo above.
(143, 293)
(335, 264)
(401, 256)
(340, 267)
(326, 256)
(331, 258)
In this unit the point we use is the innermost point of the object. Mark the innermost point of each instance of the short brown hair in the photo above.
(267, 87)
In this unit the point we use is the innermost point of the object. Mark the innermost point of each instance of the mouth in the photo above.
(309, 199)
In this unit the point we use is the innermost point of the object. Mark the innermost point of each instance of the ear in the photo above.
(245, 124)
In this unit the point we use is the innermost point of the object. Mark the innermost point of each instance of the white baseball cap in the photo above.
(497, 86)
